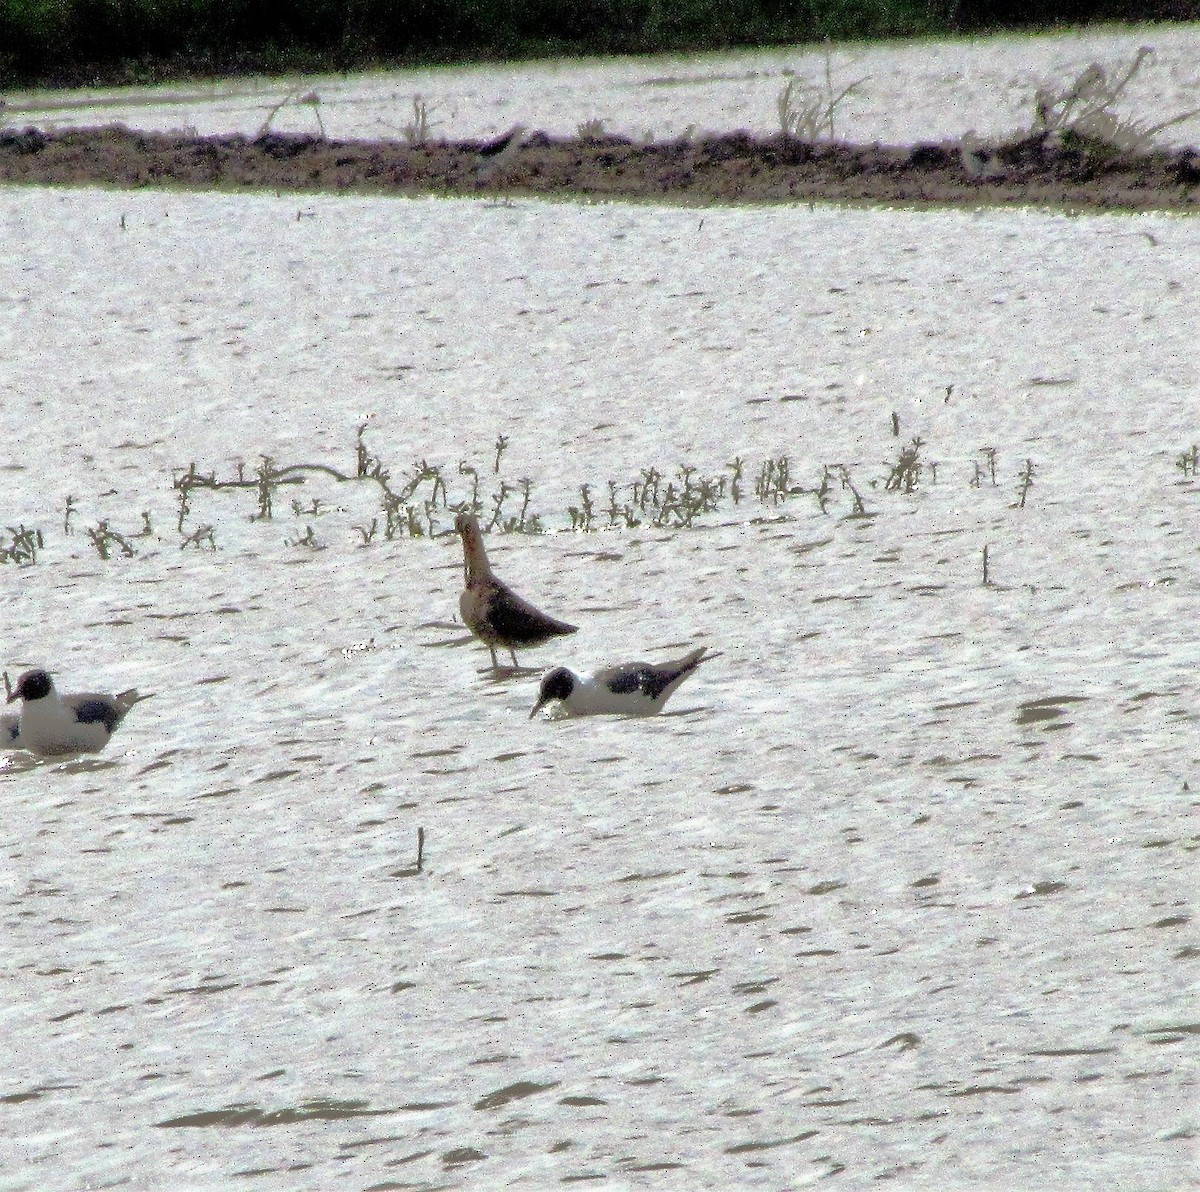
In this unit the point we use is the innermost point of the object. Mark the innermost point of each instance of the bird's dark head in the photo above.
(33, 684)
(556, 684)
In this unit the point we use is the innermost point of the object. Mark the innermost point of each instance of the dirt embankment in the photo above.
(735, 168)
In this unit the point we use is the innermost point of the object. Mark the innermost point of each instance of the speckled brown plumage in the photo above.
(492, 611)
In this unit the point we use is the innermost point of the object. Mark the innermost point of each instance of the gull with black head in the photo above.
(491, 610)
(53, 725)
(631, 689)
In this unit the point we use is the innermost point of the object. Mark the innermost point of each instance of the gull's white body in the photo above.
(53, 725)
(592, 697)
(50, 726)
(631, 689)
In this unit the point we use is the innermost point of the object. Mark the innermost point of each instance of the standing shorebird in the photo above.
(53, 725)
(493, 612)
(631, 689)
(497, 153)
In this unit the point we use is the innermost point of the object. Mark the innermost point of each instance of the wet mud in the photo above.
(1044, 170)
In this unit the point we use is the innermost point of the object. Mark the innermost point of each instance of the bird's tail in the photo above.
(126, 699)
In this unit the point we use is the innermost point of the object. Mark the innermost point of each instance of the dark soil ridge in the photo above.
(1046, 170)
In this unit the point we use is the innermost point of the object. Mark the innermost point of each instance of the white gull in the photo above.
(631, 689)
(53, 725)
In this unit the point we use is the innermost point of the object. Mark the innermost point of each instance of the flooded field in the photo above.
(915, 91)
(900, 888)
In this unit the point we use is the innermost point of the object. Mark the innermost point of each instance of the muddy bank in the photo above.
(734, 168)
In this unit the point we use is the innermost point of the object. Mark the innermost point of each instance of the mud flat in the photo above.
(733, 168)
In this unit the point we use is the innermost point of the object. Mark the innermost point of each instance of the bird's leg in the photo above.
(495, 660)
(513, 655)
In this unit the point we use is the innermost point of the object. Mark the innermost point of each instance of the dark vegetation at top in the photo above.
(88, 42)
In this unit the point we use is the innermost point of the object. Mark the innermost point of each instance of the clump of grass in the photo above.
(201, 538)
(735, 481)
(839, 474)
(985, 469)
(105, 539)
(807, 111)
(1084, 112)
(498, 499)
(466, 469)
(905, 474)
(677, 502)
(424, 503)
(615, 509)
(183, 484)
(22, 546)
(365, 463)
(774, 482)
(265, 486)
(1024, 483)
(416, 131)
(708, 493)
(526, 523)
(308, 539)
(392, 510)
(423, 471)
(590, 130)
(825, 489)
(522, 522)
(655, 500)
(582, 514)
(646, 490)
(1187, 461)
(368, 467)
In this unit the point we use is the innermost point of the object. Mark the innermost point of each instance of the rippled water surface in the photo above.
(902, 886)
(921, 90)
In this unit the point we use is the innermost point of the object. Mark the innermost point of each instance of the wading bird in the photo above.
(492, 611)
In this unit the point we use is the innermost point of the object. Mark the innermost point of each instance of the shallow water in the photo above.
(902, 886)
(909, 91)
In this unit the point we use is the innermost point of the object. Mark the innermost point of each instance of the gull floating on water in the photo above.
(492, 611)
(52, 725)
(631, 689)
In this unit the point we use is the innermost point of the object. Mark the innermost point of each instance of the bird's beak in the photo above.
(14, 695)
(538, 707)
